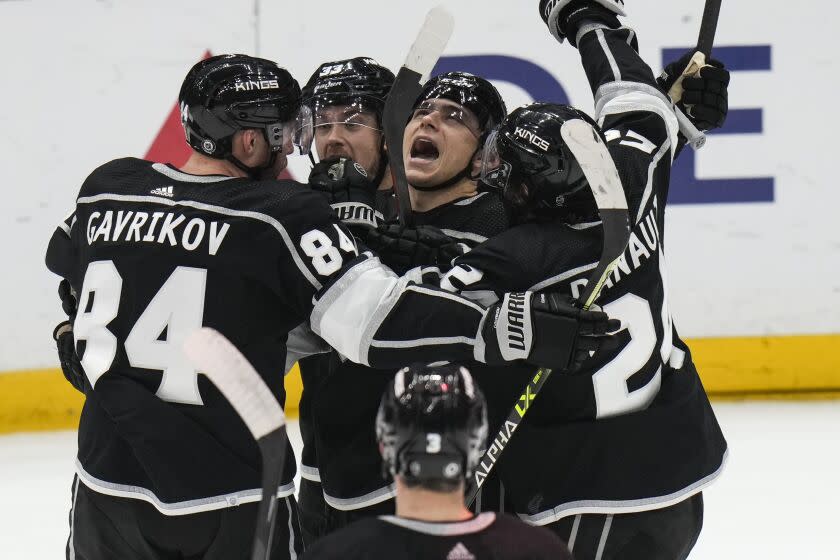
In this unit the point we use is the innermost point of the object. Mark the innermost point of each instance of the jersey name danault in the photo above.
(156, 227)
(636, 253)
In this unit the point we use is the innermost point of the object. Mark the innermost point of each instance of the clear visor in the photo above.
(448, 112)
(349, 118)
(283, 136)
(495, 172)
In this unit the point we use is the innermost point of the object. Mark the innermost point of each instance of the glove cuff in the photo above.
(509, 334)
(554, 13)
(61, 328)
(356, 214)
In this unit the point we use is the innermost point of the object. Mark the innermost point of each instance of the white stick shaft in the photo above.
(215, 356)
(431, 40)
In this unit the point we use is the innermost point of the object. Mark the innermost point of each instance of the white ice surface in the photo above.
(777, 498)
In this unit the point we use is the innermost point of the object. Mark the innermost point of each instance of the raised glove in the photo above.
(564, 17)
(705, 98)
(405, 248)
(71, 367)
(546, 329)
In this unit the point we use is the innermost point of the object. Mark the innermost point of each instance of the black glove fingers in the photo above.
(705, 98)
(705, 115)
(587, 344)
(716, 74)
(704, 85)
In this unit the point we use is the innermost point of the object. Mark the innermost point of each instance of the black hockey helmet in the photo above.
(359, 81)
(432, 426)
(530, 162)
(227, 93)
(470, 91)
(361, 85)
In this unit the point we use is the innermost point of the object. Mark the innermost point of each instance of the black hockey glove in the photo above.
(546, 329)
(705, 99)
(348, 190)
(68, 299)
(71, 367)
(405, 248)
(65, 343)
(343, 180)
(564, 17)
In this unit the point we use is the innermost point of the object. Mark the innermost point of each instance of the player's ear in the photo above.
(249, 137)
(476, 164)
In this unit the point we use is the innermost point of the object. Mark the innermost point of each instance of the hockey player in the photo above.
(347, 98)
(452, 114)
(432, 429)
(614, 462)
(442, 150)
(165, 467)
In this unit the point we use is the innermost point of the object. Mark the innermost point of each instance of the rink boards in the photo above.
(777, 367)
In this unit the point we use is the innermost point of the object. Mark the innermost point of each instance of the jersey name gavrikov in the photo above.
(156, 227)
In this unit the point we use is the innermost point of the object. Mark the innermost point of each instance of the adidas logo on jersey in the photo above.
(460, 552)
(163, 191)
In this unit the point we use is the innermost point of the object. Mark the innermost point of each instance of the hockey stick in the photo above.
(602, 175)
(705, 40)
(215, 356)
(422, 57)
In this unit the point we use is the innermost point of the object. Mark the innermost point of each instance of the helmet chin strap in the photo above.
(383, 163)
(253, 172)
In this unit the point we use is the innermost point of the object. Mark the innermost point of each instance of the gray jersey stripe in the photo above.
(292, 552)
(562, 276)
(176, 175)
(176, 508)
(71, 547)
(371, 498)
(573, 534)
(604, 534)
(608, 53)
(623, 506)
(651, 170)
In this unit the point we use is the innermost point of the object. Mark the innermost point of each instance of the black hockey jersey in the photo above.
(341, 398)
(634, 430)
(155, 253)
(487, 536)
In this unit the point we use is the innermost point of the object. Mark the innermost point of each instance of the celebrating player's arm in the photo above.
(63, 255)
(374, 317)
(631, 105)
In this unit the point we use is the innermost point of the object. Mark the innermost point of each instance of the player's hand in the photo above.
(71, 367)
(705, 99)
(564, 17)
(546, 329)
(402, 249)
(343, 180)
